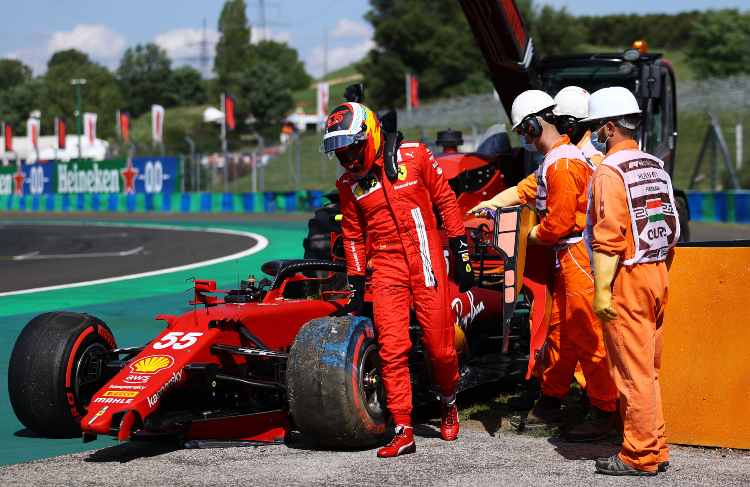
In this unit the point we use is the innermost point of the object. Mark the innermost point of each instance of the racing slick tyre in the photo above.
(55, 370)
(335, 393)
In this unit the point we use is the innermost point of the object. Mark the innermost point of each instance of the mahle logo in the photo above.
(151, 364)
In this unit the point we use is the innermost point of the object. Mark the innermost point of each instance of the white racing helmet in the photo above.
(528, 103)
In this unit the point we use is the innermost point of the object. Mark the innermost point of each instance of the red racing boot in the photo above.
(449, 421)
(401, 444)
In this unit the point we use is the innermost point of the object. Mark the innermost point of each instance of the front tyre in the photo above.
(335, 392)
(55, 369)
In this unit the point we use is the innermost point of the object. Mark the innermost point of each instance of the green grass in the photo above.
(317, 171)
(691, 127)
(306, 99)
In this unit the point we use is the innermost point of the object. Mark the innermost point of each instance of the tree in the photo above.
(429, 38)
(233, 48)
(18, 101)
(144, 75)
(13, 73)
(285, 59)
(556, 31)
(719, 44)
(68, 57)
(269, 98)
(186, 87)
(101, 94)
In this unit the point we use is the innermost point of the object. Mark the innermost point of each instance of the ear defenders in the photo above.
(566, 124)
(530, 126)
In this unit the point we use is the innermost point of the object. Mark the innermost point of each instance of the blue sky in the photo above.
(33, 29)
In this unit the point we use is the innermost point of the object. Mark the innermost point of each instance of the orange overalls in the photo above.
(634, 339)
(578, 338)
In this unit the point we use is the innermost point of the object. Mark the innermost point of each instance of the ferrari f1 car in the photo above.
(252, 364)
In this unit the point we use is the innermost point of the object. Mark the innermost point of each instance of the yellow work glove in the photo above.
(533, 238)
(605, 267)
(508, 197)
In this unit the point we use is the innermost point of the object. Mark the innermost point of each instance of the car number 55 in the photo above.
(177, 340)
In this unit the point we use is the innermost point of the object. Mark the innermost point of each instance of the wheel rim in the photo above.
(88, 373)
(370, 383)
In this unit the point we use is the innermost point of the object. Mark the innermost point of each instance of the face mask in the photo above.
(600, 145)
(528, 147)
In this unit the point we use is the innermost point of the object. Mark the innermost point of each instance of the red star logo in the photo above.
(129, 174)
(19, 178)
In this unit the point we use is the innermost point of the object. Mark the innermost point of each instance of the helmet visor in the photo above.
(333, 142)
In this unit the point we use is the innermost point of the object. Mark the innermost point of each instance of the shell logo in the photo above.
(151, 364)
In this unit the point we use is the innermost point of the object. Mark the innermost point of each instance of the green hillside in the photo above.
(340, 79)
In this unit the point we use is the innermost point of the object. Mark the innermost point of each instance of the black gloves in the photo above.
(463, 273)
(356, 300)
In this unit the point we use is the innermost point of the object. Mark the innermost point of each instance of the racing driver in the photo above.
(391, 215)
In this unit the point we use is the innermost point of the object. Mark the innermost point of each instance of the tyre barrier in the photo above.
(719, 206)
(267, 202)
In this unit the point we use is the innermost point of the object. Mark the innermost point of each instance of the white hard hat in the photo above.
(612, 102)
(528, 103)
(572, 101)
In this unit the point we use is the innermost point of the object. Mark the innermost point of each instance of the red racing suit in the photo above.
(392, 226)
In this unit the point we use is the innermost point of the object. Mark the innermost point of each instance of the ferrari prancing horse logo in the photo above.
(402, 172)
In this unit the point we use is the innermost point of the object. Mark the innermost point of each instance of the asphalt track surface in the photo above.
(479, 457)
(40, 255)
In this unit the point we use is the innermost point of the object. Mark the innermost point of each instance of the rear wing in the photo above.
(505, 44)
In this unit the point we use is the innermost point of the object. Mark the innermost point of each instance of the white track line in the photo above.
(37, 256)
(261, 243)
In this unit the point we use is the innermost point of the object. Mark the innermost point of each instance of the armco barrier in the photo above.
(268, 202)
(704, 366)
(719, 206)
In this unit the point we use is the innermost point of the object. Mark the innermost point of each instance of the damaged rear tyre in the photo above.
(55, 369)
(335, 392)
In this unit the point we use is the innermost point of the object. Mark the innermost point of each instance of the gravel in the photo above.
(477, 458)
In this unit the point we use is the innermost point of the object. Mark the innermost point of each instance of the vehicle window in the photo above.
(591, 77)
(315, 285)
(655, 125)
(661, 123)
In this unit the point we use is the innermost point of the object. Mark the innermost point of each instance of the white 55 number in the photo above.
(177, 341)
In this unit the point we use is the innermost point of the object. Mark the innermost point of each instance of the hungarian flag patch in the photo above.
(654, 210)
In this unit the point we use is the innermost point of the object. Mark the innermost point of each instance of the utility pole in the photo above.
(78, 82)
(203, 59)
(262, 8)
(325, 53)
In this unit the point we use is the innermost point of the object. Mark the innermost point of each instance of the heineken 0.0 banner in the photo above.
(137, 175)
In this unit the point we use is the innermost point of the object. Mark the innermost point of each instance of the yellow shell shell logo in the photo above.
(152, 364)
